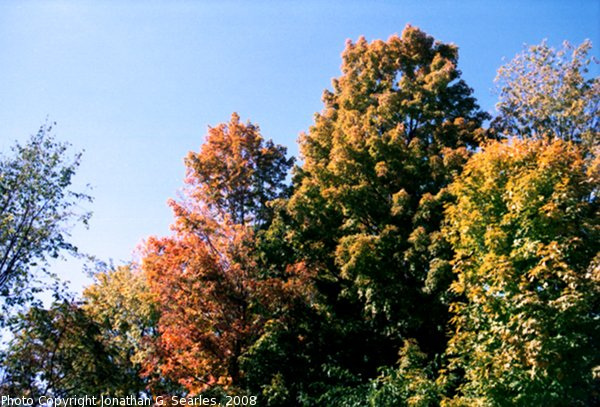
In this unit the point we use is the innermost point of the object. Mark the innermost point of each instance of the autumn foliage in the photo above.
(204, 278)
(525, 229)
(420, 255)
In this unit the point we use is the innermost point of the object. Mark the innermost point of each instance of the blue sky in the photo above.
(135, 84)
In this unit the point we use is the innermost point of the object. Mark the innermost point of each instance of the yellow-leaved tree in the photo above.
(526, 232)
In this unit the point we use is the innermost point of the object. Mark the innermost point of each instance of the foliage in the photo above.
(526, 231)
(120, 304)
(548, 93)
(368, 199)
(204, 305)
(410, 384)
(237, 173)
(396, 128)
(95, 347)
(212, 296)
(37, 209)
(58, 352)
(414, 261)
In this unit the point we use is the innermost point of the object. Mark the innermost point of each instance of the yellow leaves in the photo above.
(419, 238)
(381, 169)
(496, 239)
(354, 252)
(455, 159)
(441, 73)
(458, 286)
(519, 263)
(400, 203)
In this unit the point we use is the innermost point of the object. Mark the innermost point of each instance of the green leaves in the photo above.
(368, 203)
(546, 92)
(58, 352)
(413, 262)
(37, 209)
(395, 128)
(528, 307)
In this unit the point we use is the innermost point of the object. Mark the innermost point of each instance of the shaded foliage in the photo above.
(58, 352)
(120, 303)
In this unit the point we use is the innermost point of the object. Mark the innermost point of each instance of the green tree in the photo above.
(121, 305)
(526, 231)
(366, 210)
(37, 209)
(57, 352)
(544, 92)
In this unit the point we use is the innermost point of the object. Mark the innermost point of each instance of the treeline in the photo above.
(424, 253)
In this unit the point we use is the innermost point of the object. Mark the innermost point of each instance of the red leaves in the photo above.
(204, 278)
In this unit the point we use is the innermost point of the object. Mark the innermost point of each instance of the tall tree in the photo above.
(205, 278)
(526, 231)
(364, 219)
(398, 125)
(37, 209)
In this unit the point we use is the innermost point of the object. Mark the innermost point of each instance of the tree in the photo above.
(205, 280)
(236, 172)
(204, 298)
(37, 209)
(369, 197)
(58, 352)
(548, 93)
(121, 305)
(525, 229)
(95, 347)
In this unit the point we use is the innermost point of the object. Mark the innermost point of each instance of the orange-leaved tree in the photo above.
(211, 293)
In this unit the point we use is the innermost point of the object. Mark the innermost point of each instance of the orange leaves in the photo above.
(211, 297)
(204, 277)
(236, 172)
(188, 278)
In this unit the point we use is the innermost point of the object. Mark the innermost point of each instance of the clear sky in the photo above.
(136, 83)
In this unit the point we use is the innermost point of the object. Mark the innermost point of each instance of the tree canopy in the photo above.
(420, 255)
(205, 278)
(525, 229)
(37, 210)
(546, 93)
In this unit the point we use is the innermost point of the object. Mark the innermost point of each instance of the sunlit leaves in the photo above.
(120, 303)
(213, 297)
(546, 92)
(236, 172)
(396, 127)
(525, 229)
